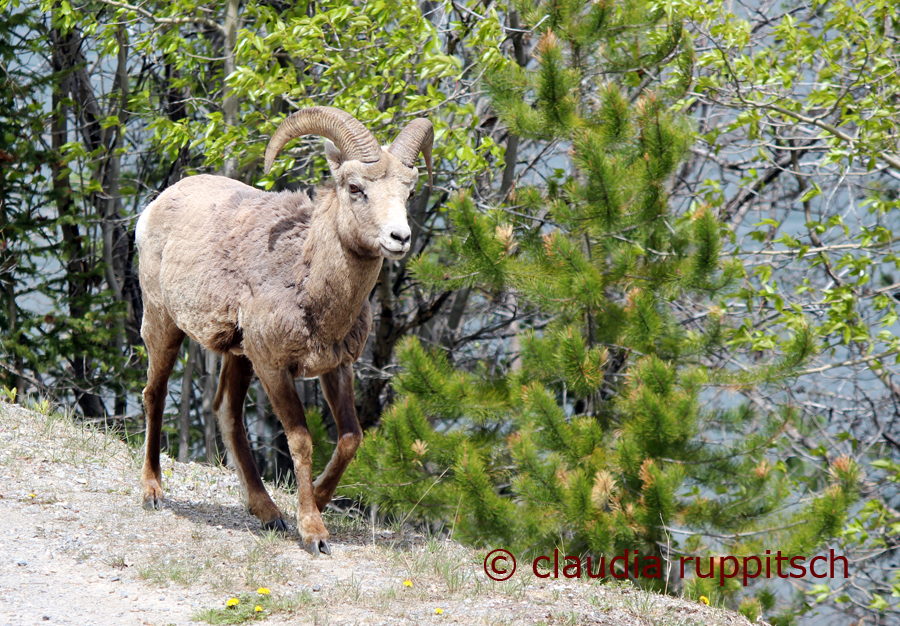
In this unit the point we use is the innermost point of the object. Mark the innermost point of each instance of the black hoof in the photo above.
(276, 524)
(317, 547)
(152, 504)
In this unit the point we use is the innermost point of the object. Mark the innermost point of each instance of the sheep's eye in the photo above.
(355, 189)
(412, 192)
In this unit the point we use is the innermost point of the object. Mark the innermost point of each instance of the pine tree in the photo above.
(596, 434)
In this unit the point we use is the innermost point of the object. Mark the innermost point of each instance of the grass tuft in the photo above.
(255, 607)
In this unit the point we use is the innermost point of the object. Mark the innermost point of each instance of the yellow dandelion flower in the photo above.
(407, 583)
(704, 600)
(438, 611)
(257, 608)
(263, 591)
(32, 495)
(232, 602)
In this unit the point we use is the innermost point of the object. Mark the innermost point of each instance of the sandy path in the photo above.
(76, 548)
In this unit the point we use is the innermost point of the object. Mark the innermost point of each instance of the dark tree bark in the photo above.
(187, 395)
(78, 264)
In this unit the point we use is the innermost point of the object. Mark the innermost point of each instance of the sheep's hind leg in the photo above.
(234, 381)
(279, 385)
(338, 387)
(163, 340)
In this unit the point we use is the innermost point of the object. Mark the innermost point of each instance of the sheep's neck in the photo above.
(339, 280)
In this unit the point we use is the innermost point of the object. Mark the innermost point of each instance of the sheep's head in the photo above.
(373, 183)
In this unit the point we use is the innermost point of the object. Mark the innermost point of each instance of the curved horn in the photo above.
(417, 136)
(352, 138)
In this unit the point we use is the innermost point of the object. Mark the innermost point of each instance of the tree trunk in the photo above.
(113, 264)
(509, 165)
(12, 310)
(187, 395)
(512, 141)
(230, 112)
(77, 264)
(210, 431)
(460, 303)
(230, 103)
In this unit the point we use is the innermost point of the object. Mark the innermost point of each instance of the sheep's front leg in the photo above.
(338, 387)
(279, 386)
(234, 381)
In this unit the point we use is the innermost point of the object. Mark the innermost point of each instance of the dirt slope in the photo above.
(76, 548)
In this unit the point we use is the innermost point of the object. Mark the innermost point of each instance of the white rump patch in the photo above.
(140, 231)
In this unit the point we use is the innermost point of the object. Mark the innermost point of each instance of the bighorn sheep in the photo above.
(279, 285)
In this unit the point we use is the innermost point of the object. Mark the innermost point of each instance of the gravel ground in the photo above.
(77, 548)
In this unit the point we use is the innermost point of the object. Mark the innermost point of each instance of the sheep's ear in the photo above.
(333, 156)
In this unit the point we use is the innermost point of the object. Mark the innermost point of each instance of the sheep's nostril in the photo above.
(400, 236)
